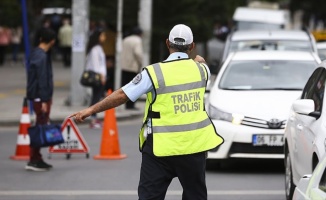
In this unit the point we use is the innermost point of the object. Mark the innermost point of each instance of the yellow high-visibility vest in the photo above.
(180, 124)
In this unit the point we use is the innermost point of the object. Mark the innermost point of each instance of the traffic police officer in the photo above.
(176, 131)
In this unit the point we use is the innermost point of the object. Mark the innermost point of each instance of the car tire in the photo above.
(289, 185)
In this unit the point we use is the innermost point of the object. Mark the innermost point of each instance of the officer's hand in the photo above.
(81, 115)
(199, 59)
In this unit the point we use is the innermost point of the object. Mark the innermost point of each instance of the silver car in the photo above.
(248, 40)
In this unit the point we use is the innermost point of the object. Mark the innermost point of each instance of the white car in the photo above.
(312, 186)
(305, 132)
(250, 100)
(248, 40)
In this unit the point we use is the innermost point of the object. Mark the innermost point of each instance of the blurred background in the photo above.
(211, 22)
(203, 16)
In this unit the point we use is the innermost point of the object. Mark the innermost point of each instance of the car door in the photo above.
(317, 184)
(305, 125)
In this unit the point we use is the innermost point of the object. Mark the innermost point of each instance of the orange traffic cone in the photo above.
(22, 148)
(110, 148)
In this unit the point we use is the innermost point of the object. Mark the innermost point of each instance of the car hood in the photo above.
(257, 104)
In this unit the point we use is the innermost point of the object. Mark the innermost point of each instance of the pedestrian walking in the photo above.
(176, 131)
(16, 38)
(65, 41)
(40, 90)
(131, 59)
(5, 37)
(95, 61)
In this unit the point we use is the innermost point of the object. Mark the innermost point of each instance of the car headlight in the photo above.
(218, 114)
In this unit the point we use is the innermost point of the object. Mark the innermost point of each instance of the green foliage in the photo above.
(10, 12)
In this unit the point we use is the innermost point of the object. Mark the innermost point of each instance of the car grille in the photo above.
(249, 148)
(260, 123)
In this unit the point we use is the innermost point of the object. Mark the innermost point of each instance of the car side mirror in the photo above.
(305, 107)
(315, 114)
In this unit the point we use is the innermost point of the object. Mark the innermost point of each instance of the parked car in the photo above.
(305, 132)
(312, 186)
(321, 47)
(250, 99)
(292, 40)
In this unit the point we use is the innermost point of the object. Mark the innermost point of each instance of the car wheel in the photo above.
(289, 185)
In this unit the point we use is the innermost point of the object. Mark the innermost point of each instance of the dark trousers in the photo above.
(97, 94)
(15, 51)
(157, 173)
(66, 56)
(126, 78)
(41, 118)
(109, 85)
(3, 49)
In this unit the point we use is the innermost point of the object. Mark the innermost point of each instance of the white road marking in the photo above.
(130, 192)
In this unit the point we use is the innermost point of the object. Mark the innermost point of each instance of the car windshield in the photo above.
(292, 45)
(266, 75)
(322, 54)
(244, 25)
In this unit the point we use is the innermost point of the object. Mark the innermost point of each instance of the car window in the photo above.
(266, 75)
(292, 45)
(306, 93)
(316, 90)
(244, 25)
(322, 183)
(319, 92)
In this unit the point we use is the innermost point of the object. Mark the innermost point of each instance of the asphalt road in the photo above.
(79, 178)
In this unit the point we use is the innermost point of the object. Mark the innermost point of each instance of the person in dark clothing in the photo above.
(131, 59)
(40, 90)
(110, 62)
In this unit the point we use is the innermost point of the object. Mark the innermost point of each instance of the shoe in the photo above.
(95, 125)
(46, 164)
(37, 166)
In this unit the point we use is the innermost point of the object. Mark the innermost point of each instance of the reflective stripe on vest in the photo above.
(179, 128)
(181, 87)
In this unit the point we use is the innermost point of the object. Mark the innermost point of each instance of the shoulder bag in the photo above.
(90, 79)
(45, 135)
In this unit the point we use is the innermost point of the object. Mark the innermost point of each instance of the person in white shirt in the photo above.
(131, 59)
(65, 41)
(95, 61)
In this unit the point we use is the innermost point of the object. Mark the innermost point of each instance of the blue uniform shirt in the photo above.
(142, 84)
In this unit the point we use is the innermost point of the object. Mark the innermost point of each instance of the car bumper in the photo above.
(238, 142)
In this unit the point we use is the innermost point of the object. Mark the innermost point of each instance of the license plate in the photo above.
(267, 140)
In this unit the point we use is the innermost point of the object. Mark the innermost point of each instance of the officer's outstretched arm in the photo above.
(113, 100)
